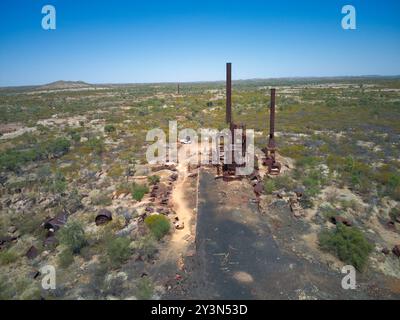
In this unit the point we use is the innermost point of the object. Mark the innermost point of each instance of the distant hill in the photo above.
(65, 85)
(77, 85)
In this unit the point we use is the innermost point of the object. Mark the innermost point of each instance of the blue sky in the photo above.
(155, 41)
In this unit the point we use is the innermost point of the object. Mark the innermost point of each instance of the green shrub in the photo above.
(109, 128)
(6, 290)
(13, 159)
(138, 191)
(58, 184)
(348, 244)
(65, 258)
(86, 253)
(295, 151)
(158, 224)
(98, 272)
(332, 102)
(386, 175)
(269, 186)
(72, 202)
(144, 289)
(153, 179)
(356, 173)
(73, 236)
(313, 181)
(394, 214)
(118, 250)
(335, 163)
(116, 171)
(26, 289)
(101, 199)
(44, 173)
(57, 147)
(350, 204)
(43, 129)
(146, 246)
(95, 145)
(75, 136)
(8, 256)
(27, 226)
(284, 182)
(329, 212)
(388, 179)
(10, 160)
(308, 161)
(33, 292)
(123, 188)
(395, 194)
(394, 181)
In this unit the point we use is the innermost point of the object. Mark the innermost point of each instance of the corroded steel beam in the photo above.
(229, 93)
(272, 115)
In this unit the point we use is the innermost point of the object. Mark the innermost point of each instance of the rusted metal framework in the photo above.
(274, 167)
(229, 169)
(229, 93)
(269, 159)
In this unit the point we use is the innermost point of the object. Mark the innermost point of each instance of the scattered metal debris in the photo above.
(296, 208)
(6, 240)
(32, 253)
(56, 223)
(259, 189)
(339, 219)
(103, 217)
(391, 226)
(385, 251)
(396, 250)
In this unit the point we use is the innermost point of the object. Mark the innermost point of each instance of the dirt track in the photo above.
(237, 257)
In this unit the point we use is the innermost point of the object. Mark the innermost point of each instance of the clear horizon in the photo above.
(211, 81)
(177, 41)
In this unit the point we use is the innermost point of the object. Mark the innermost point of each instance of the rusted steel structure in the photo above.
(274, 167)
(229, 93)
(269, 159)
(229, 169)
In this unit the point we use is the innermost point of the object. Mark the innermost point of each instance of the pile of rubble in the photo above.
(395, 251)
(293, 199)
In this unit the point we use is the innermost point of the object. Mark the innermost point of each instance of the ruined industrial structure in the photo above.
(274, 167)
(229, 167)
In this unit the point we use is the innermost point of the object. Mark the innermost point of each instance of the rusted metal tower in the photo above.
(229, 93)
(229, 169)
(274, 167)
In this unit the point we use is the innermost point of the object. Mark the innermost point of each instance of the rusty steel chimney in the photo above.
(274, 167)
(229, 93)
(272, 115)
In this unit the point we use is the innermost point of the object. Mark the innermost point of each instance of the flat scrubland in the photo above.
(75, 152)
